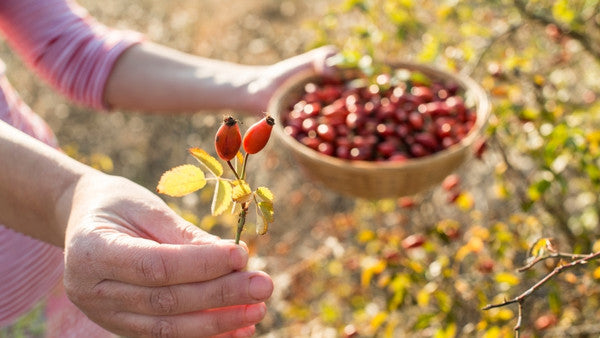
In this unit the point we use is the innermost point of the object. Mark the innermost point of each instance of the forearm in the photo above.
(36, 185)
(154, 78)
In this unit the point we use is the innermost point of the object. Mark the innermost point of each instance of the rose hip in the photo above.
(258, 135)
(228, 139)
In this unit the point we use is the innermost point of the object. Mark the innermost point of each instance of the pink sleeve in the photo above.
(65, 45)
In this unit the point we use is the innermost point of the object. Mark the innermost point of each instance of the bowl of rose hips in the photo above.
(387, 135)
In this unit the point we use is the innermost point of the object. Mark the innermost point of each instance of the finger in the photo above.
(198, 324)
(247, 331)
(145, 262)
(171, 228)
(320, 60)
(237, 288)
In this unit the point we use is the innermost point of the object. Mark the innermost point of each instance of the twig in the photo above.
(557, 270)
(550, 256)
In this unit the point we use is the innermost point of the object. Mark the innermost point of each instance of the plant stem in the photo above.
(244, 166)
(233, 169)
(241, 222)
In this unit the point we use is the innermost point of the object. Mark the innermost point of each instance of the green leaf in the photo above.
(424, 320)
(265, 194)
(222, 197)
(537, 189)
(181, 181)
(209, 162)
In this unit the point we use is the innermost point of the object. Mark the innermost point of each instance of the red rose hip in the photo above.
(258, 135)
(228, 139)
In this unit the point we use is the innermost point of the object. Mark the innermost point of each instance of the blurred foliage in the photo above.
(421, 266)
(402, 273)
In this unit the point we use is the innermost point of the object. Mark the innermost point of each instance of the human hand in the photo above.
(270, 78)
(137, 269)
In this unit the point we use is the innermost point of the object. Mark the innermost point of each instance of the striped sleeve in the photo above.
(66, 46)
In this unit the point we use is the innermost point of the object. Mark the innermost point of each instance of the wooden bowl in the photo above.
(378, 180)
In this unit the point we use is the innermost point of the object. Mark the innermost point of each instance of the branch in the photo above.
(550, 256)
(585, 40)
(557, 270)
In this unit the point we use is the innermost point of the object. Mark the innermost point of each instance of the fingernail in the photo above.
(260, 287)
(245, 332)
(238, 257)
(255, 312)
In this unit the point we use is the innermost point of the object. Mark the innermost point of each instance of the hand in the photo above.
(270, 78)
(137, 269)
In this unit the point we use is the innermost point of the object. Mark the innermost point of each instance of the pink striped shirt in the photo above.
(75, 54)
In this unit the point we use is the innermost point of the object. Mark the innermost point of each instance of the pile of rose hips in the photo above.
(384, 120)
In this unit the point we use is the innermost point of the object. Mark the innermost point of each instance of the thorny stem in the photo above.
(242, 216)
(557, 270)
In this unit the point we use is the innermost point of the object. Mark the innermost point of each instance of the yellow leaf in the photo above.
(423, 298)
(596, 246)
(265, 194)
(241, 191)
(365, 235)
(508, 278)
(221, 198)
(181, 181)
(264, 212)
(379, 319)
(263, 225)
(211, 163)
(371, 266)
(541, 247)
(239, 162)
(266, 209)
(465, 201)
(597, 273)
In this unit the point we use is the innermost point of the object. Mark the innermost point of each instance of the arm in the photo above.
(131, 264)
(152, 77)
(106, 68)
(35, 183)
